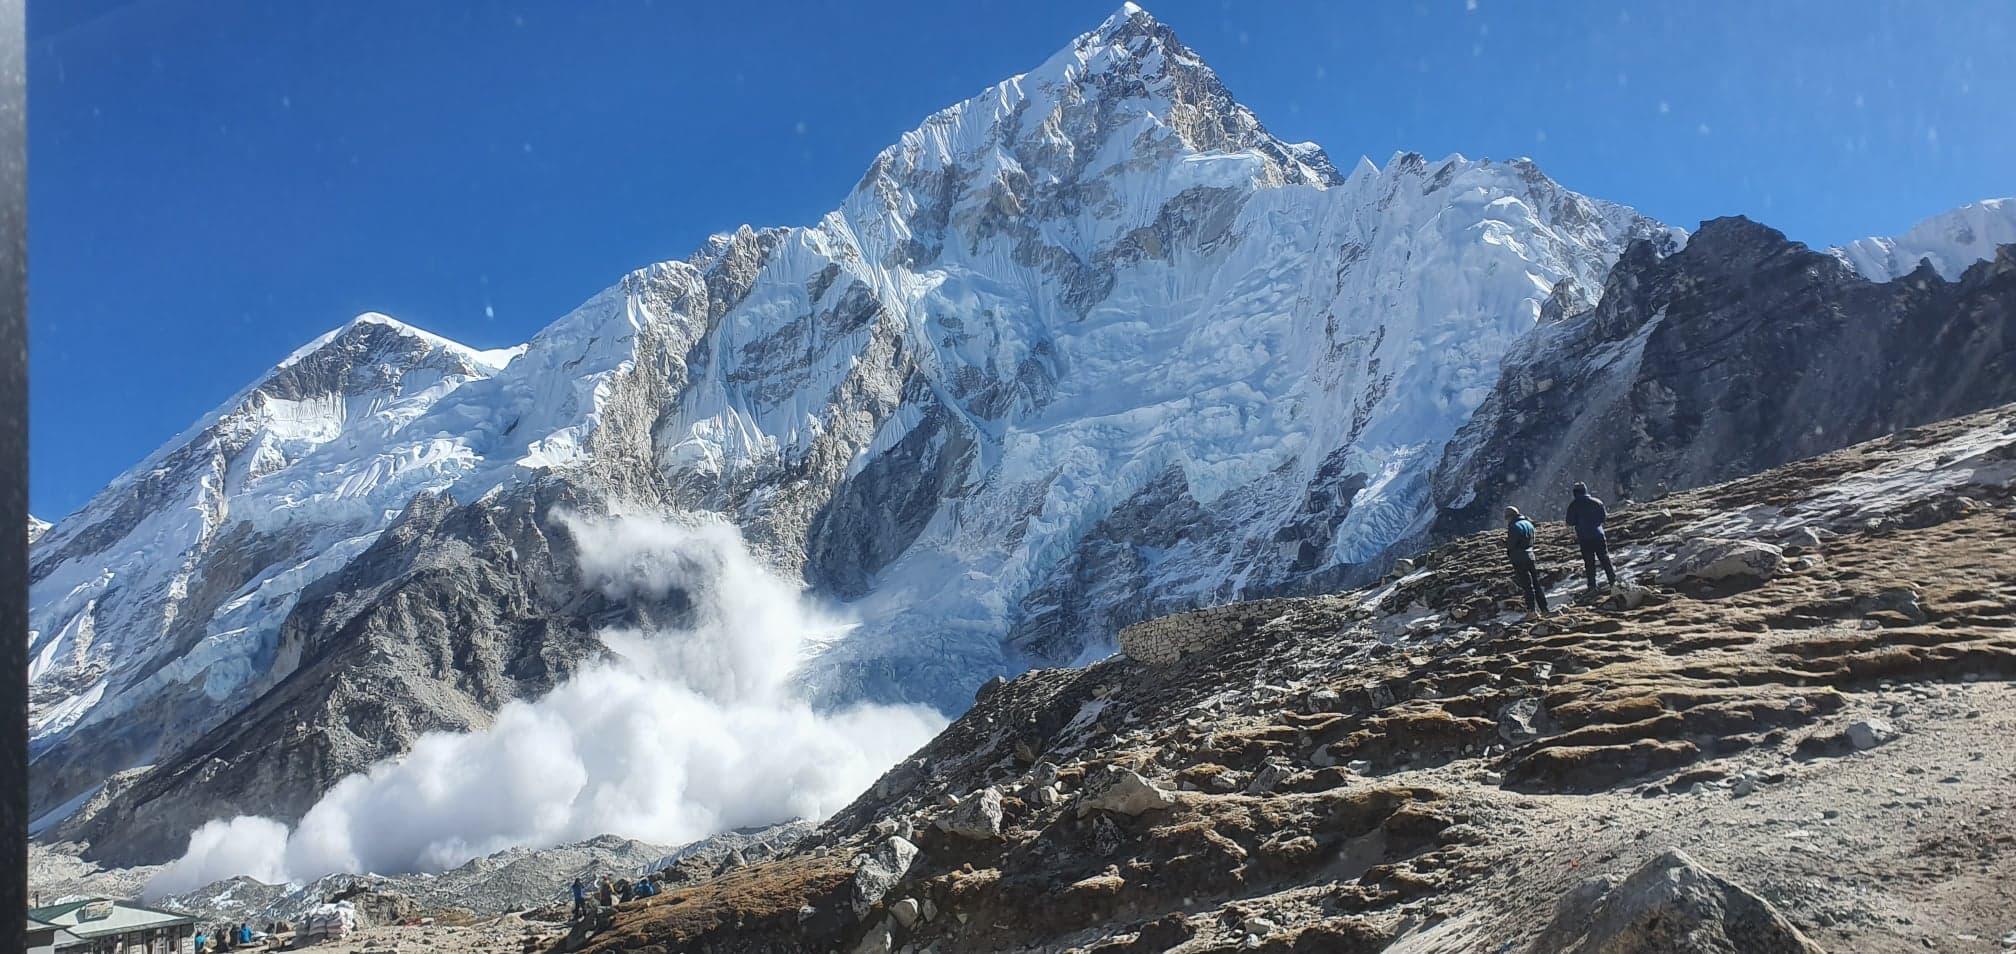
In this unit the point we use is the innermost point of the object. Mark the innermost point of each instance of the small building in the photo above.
(43, 937)
(105, 926)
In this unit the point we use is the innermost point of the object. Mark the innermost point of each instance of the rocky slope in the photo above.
(155, 610)
(1087, 346)
(517, 879)
(1737, 353)
(1784, 732)
(1091, 346)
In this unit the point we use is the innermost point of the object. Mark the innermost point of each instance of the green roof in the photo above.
(124, 917)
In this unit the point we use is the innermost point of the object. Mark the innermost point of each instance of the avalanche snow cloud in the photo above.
(687, 731)
(1088, 347)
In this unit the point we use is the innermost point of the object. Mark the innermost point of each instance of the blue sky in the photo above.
(214, 182)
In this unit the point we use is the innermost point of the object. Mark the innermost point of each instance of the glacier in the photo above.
(1087, 347)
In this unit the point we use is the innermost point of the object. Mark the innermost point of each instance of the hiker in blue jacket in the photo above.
(1586, 515)
(1519, 534)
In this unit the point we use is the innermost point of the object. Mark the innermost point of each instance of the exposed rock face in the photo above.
(1124, 793)
(1427, 770)
(1737, 353)
(1712, 561)
(978, 817)
(1670, 905)
(1089, 347)
(452, 612)
(155, 610)
(880, 871)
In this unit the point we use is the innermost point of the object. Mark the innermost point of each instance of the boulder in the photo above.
(1125, 793)
(1515, 723)
(1901, 600)
(978, 817)
(1271, 774)
(901, 778)
(1803, 537)
(1628, 596)
(1711, 560)
(1870, 733)
(989, 687)
(879, 871)
(1670, 905)
(878, 940)
(1043, 773)
(906, 912)
(377, 906)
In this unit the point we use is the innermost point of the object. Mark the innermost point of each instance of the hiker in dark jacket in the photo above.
(1519, 534)
(580, 898)
(1586, 515)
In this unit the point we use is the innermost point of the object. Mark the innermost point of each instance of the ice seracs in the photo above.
(1088, 347)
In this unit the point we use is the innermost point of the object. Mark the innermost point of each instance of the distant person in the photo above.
(199, 940)
(1519, 535)
(244, 933)
(606, 893)
(1586, 515)
(580, 898)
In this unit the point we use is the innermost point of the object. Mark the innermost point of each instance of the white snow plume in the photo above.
(687, 731)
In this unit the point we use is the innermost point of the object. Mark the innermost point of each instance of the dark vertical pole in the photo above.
(13, 477)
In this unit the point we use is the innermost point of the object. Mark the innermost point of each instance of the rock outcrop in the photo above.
(1418, 767)
(942, 389)
(1670, 905)
(1737, 353)
(1087, 349)
(1716, 562)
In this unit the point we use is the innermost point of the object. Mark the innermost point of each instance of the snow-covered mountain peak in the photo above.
(1089, 345)
(1950, 241)
(371, 325)
(163, 592)
(1125, 96)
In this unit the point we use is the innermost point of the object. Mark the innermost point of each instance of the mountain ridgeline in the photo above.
(1736, 354)
(1090, 347)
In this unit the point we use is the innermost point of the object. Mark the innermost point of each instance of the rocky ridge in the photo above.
(1782, 732)
(1737, 353)
(1087, 347)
